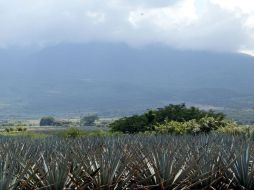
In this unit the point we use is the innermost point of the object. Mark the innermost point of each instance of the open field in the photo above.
(31, 127)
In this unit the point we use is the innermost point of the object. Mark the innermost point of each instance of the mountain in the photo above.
(117, 79)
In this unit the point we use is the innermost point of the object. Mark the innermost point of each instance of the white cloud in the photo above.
(239, 7)
(217, 25)
(165, 18)
(247, 51)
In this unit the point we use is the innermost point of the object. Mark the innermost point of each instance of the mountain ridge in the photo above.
(106, 77)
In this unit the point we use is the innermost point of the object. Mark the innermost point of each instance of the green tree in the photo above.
(88, 120)
(178, 113)
(47, 121)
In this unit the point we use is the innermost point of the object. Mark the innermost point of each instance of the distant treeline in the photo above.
(87, 120)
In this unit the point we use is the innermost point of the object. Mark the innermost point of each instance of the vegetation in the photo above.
(88, 120)
(168, 117)
(47, 121)
(74, 132)
(103, 123)
(15, 124)
(64, 123)
(204, 125)
(71, 132)
(177, 148)
(128, 162)
(17, 129)
(51, 121)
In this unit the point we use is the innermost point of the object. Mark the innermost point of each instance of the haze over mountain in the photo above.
(115, 78)
(121, 57)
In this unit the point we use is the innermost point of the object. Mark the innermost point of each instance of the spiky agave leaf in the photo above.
(7, 178)
(243, 169)
(56, 174)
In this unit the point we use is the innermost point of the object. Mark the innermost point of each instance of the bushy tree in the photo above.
(133, 124)
(88, 120)
(47, 121)
(177, 113)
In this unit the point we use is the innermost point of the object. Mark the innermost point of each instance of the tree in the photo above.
(133, 124)
(88, 120)
(148, 120)
(47, 121)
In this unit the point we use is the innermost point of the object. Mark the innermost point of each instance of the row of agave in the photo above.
(127, 162)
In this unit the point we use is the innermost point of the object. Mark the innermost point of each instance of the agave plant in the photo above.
(106, 165)
(7, 178)
(128, 162)
(243, 169)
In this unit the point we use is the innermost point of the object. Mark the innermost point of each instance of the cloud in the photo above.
(214, 25)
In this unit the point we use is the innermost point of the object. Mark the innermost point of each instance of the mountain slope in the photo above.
(115, 78)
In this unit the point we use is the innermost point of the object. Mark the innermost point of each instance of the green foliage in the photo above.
(17, 129)
(178, 113)
(29, 134)
(88, 120)
(133, 124)
(243, 168)
(204, 125)
(64, 123)
(102, 124)
(21, 128)
(47, 121)
(182, 113)
(71, 132)
(7, 130)
(176, 127)
(208, 124)
(77, 132)
(51, 121)
(234, 129)
(14, 123)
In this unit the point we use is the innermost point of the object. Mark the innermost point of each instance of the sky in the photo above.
(211, 25)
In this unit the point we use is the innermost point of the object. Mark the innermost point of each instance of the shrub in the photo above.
(17, 129)
(71, 132)
(208, 124)
(171, 127)
(88, 120)
(21, 129)
(204, 125)
(177, 127)
(102, 124)
(234, 129)
(47, 121)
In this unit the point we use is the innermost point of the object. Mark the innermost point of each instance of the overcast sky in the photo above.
(214, 25)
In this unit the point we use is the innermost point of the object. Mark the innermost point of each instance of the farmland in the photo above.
(127, 162)
(175, 147)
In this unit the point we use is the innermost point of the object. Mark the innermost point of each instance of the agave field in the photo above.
(127, 162)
